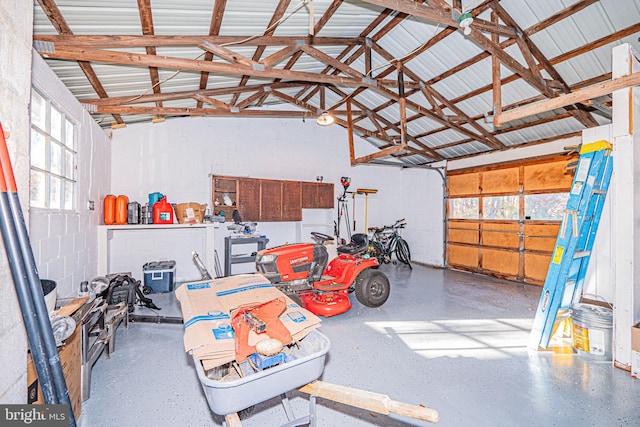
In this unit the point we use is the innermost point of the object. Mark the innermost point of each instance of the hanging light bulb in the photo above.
(464, 21)
(325, 119)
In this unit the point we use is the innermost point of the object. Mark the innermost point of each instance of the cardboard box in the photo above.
(635, 350)
(70, 359)
(207, 307)
(190, 213)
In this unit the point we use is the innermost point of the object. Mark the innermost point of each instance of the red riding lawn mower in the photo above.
(303, 272)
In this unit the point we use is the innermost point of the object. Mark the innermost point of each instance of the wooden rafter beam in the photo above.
(98, 41)
(572, 98)
(563, 14)
(483, 135)
(174, 96)
(146, 20)
(228, 54)
(271, 28)
(171, 111)
(531, 54)
(124, 58)
(440, 15)
(214, 29)
(50, 8)
(212, 101)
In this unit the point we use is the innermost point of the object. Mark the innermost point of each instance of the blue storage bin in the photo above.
(160, 276)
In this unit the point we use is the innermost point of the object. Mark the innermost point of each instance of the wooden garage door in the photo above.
(503, 220)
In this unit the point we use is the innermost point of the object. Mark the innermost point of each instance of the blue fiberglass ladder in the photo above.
(571, 254)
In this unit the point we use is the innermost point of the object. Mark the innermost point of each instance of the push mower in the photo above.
(303, 272)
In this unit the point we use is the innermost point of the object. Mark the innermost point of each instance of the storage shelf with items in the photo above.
(225, 196)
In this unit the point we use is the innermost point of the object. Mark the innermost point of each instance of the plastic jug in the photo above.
(109, 209)
(162, 212)
(121, 209)
(154, 197)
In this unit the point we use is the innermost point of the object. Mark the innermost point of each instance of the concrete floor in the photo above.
(452, 341)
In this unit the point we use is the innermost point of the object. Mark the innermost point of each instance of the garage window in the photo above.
(464, 208)
(500, 207)
(545, 206)
(53, 156)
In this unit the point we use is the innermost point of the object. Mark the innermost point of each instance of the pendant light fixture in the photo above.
(324, 119)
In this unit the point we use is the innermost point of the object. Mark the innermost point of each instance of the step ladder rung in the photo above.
(581, 254)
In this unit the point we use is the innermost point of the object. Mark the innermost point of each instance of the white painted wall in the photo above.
(16, 19)
(178, 156)
(64, 242)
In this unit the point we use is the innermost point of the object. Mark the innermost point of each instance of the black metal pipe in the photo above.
(34, 286)
(32, 326)
(40, 305)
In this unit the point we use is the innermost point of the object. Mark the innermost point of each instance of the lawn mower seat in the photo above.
(358, 243)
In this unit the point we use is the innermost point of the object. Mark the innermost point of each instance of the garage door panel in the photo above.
(501, 234)
(464, 184)
(536, 266)
(546, 176)
(500, 181)
(540, 237)
(464, 233)
(463, 255)
(503, 262)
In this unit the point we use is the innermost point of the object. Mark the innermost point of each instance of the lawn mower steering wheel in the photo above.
(321, 236)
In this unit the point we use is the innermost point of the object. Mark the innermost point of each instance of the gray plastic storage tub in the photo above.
(227, 397)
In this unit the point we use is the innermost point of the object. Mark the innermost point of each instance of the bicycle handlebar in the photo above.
(398, 224)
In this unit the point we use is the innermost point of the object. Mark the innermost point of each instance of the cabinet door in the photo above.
(325, 196)
(291, 201)
(309, 195)
(249, 199)
(270, 200)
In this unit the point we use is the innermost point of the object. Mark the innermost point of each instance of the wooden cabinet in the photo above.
(225, 196)
(317, 195)
(268, 200)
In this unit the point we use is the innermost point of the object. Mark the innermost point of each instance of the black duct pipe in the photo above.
(18, 271)
(33, 285)
(36, 343)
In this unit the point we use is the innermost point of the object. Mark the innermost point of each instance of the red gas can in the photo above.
(162, 212)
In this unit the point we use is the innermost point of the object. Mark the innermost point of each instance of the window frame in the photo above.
(48, 166)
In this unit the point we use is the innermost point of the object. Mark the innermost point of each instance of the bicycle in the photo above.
(386, 241)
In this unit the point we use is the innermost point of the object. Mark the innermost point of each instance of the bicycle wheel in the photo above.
(402, 252)
(375, 250)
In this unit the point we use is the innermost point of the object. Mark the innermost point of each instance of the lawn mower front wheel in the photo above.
(372, 288)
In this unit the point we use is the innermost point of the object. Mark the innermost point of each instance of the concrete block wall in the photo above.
(177, 157)
(64, 242)
(16, 21)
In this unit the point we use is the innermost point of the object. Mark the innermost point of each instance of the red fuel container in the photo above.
(162, 212)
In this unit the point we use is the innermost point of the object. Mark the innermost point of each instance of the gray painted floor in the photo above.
(452, 341)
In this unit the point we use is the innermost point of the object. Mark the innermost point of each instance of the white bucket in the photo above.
(592, 331)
